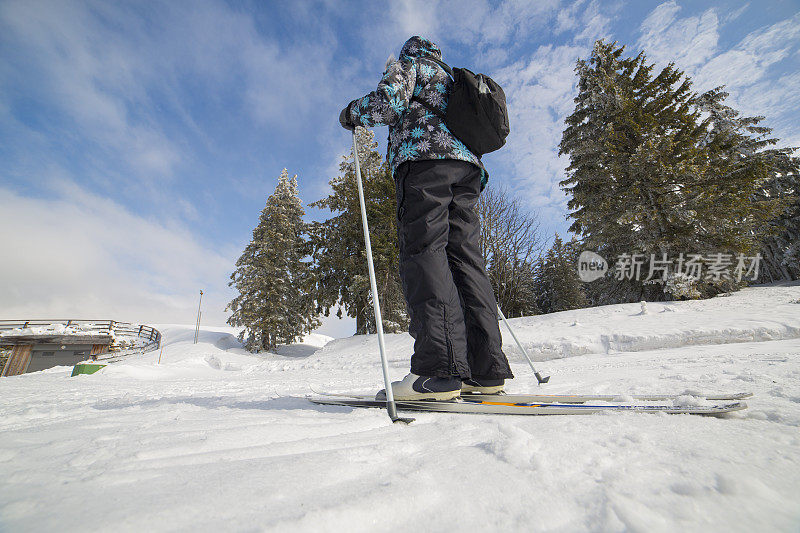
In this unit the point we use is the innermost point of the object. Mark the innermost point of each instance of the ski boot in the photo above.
(413, 387)
(483, 386)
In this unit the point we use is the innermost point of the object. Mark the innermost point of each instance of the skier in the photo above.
(450, 300)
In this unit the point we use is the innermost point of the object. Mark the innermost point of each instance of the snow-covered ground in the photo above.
(217, 439)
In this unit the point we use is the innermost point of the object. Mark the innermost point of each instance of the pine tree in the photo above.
(649, 174)
(557, 285)
(273, 276)
(740, 159)
(780, 245)
(340, 257)
(741, 146)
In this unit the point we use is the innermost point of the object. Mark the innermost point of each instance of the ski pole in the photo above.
(391, 408)
(535, 373)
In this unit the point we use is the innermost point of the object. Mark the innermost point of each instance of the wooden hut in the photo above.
(30, 353)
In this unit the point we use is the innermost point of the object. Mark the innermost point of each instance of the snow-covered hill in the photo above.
(214, 438)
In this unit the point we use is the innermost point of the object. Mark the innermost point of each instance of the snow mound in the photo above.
(752, 315)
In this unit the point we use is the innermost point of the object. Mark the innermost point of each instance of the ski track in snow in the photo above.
(218, 439)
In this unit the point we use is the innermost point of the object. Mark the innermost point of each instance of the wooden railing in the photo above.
(150, 335)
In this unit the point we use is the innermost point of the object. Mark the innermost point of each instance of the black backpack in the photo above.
(476, 111)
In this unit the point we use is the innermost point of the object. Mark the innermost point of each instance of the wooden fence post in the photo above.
(98, 349)
(19, 360)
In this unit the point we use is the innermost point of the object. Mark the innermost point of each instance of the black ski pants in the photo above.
(450, 300)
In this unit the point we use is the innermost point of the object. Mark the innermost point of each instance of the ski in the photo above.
(583, 398)
(492, 406)
(570, 398)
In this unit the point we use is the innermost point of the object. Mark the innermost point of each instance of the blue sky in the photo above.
(139, 140)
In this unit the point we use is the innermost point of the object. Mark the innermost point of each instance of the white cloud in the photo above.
(567, 18)
(539, 92)
(80, 255)
(661, 17)
(781, 93)
(116, 77)
(93, 77)
(732, 68)
(108, 70)
(730, 17)
(747, 69)
(487, 27)
(688, 42)
(414, 17)
(512, 20)
(596, 22)
(750, 61)
(773, 43)
(84, 256)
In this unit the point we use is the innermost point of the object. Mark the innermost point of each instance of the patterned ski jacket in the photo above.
(415, 133)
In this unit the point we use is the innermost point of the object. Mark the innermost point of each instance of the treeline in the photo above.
(655, 169)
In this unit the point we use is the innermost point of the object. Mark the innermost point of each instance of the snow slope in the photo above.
(753, 314)
(214, 438)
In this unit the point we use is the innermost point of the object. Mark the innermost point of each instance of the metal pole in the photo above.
(535, 373)
(197, 326)
(390, 405)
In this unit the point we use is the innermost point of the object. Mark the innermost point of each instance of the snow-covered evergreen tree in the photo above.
(273, 276)
(780, 247)
(741, 146)
(740, 154)
(651, 172)
(556, 282)
(341, 262)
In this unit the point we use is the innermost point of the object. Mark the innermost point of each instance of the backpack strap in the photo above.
(425, 104)
(438, 112)
(444, 65)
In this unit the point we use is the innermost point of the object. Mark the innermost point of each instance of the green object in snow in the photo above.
(86, 368)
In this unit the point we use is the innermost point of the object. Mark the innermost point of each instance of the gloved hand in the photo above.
(345, 120)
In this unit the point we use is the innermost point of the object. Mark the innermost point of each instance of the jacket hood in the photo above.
(420, 47)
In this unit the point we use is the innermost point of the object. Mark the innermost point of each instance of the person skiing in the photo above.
(450, 301)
